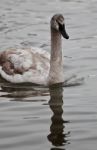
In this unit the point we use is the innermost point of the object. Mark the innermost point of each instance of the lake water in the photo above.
(56, 118)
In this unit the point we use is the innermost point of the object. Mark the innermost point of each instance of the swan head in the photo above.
(57, 23)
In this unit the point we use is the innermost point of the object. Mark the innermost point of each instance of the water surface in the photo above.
(58, 118)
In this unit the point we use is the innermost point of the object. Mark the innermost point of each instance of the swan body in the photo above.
(36, 65)
(25, 65)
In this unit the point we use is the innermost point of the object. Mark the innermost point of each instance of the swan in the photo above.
(35, 65)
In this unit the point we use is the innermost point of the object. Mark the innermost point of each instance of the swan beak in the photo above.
(63, 31)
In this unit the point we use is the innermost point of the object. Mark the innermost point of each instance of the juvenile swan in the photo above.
(35, 65)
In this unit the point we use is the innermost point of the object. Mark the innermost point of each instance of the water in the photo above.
(58, 118)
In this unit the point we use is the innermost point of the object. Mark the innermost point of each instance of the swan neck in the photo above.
(56, 45)
(56, 64)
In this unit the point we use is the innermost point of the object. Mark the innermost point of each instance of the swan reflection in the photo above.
(57, 135)
(24, 92)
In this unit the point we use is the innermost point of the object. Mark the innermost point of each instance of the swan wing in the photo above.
(25, 65)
